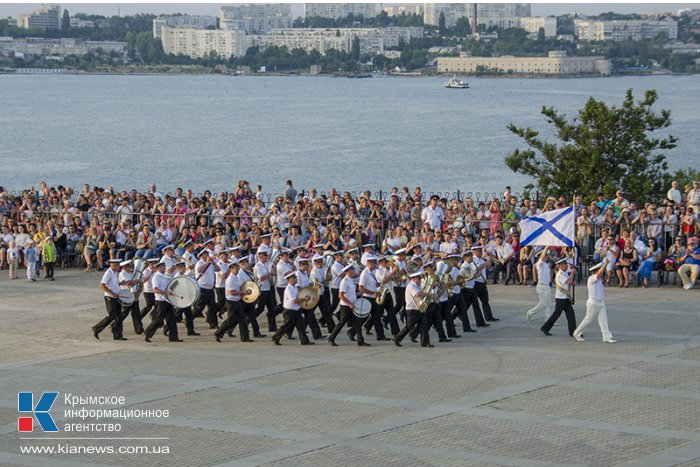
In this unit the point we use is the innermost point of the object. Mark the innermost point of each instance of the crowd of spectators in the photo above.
(48, 225)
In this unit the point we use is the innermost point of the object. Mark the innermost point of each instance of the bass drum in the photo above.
(186, 291)
(126, 297)
(362, 308)
(254, 291)
(310, 292)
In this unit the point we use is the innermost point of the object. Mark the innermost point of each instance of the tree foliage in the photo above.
(602, 149)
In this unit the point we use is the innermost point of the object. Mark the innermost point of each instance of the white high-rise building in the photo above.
(339, 10)
(452, 11)
(620, 30)
(198, 43)
(186, 21)
(46, 17)
(256, 17)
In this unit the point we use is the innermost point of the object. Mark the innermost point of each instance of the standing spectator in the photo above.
(694, 196)
(48, 251)
(30, 258)
(12, 259)
(290, 193)
(674, 194)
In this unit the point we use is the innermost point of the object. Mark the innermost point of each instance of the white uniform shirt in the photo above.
(467, 265)
(169, 263)
(596, 291)
(481, 275)
(147, 278)
(125, 276)
(336, 273)
(505, 251)
(454, 274)
(302, 279)
(402, 267)
(262, 270)
(369, 282)
(290, 294)
(111, 280)
(244, 275)
(320, 275)
(380, 274)
(189, 258)
(347, 286)
(232, 284)
(207, 278)
(561, 279)
(544, 273)
(221, 275)
(412, 302)
(282, 269)
(433, 217)
(160, 281)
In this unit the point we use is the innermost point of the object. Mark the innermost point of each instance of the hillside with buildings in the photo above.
(472, 38)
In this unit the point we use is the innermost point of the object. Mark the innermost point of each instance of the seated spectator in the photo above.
(691, 264)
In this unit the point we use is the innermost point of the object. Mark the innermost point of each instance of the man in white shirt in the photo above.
(318, 273)
(544, 289)
(464, 294)
(562, 297)
(337, 276)
(303, 280)
(292, 311)
(674, 194)
(263, 273)
(205, 274)
(414, 317)
(595, 306)
(348, 297)
(183, 270)
(245, 274)
(234, 310)
(505, 260)
(164, 309)
(127, 281)
(480, 288)
(368, 287)
(110, 286)
(385, 276)
(433, 214)
(147, 279)
(220, 282)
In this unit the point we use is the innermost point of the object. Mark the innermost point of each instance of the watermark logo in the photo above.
(25, 404)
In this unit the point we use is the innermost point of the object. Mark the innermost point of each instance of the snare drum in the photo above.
(362, 308)
(126, 297)
(186, 291)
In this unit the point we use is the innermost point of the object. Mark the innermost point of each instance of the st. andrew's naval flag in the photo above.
(551, 228)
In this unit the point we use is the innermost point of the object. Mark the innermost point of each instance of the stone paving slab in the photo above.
(506, 395)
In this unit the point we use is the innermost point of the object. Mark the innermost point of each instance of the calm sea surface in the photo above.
(210, 131)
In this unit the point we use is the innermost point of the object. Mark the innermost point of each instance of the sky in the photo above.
(538, 9)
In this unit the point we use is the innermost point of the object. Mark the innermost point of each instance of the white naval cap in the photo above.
(319, 258)
(234, 261)
(290, 274)
(596, 267)
(348, 267)
(125, 263)
(371, 258)
(114, 261)
(416, 274)
(563, 260)
(169, 247)
(400, 251)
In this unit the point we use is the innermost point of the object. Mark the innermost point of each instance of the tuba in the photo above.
(430, 282)
(442, 270)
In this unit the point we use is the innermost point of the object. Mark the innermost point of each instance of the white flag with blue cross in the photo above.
(551, 228)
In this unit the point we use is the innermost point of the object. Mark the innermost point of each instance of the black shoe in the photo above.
(445, 340)
(428, 345)
(95, 333)
(120, 338)
(469, 330)
(147, 339)
(546, 333)
(165, 332)
(351, 337)
(308, 343)
(193, 333)
(485, 325)
(332, 343)
(413, 339)
(493, 319)
(321, 337)
(247, 340)
(213, 326)
(368, 332)
(397, 343)
(260, 336)
(276, 341)
(383, 339)
(456, 336)
(177, 340)
(217, 338)
(364, 344)
(230, 334)
(291, 338)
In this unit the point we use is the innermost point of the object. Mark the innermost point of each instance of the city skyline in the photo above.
(538, 9)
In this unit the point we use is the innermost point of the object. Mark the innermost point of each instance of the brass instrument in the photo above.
(384, 288)
(442, 270)
(428, 286)
(274, 258)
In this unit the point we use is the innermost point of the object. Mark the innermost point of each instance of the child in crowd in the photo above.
(13, 259)
(49, 253)
(30, 257)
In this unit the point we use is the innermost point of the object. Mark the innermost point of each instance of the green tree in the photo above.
(603, 148)
(65, 21)
(540, 35)
(441, 24)
(355, 50)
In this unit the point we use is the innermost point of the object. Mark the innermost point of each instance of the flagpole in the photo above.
(573, 284)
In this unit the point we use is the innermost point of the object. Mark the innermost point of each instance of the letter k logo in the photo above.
(25, 403)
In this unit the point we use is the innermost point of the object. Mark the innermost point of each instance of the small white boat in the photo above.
(456, 83)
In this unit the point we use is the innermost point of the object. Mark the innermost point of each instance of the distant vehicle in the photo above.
(456, 83)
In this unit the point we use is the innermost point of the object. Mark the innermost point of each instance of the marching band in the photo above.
(420, 287)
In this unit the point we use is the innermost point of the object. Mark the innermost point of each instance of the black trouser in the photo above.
(309, 317)
(483, 294)
(150, 299)
(280, 309)
(471, 299)
(165, 312)
(114, 317)
(507, 269)
(189, 318)
(355, 324)
(374, 319)
(446, 315)
(562, 304)
(415, 320)
(335, 299)
(400, 293)
(249, 310)
(267, 299)
(220, 293)
(294, 319)
(234, 316)
(48, 269)
(433, 318)
(390, 309)
(135, 311)
(207, 299)
(324, 305)
(462, 307)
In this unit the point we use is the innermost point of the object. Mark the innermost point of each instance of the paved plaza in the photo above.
(506, 395)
